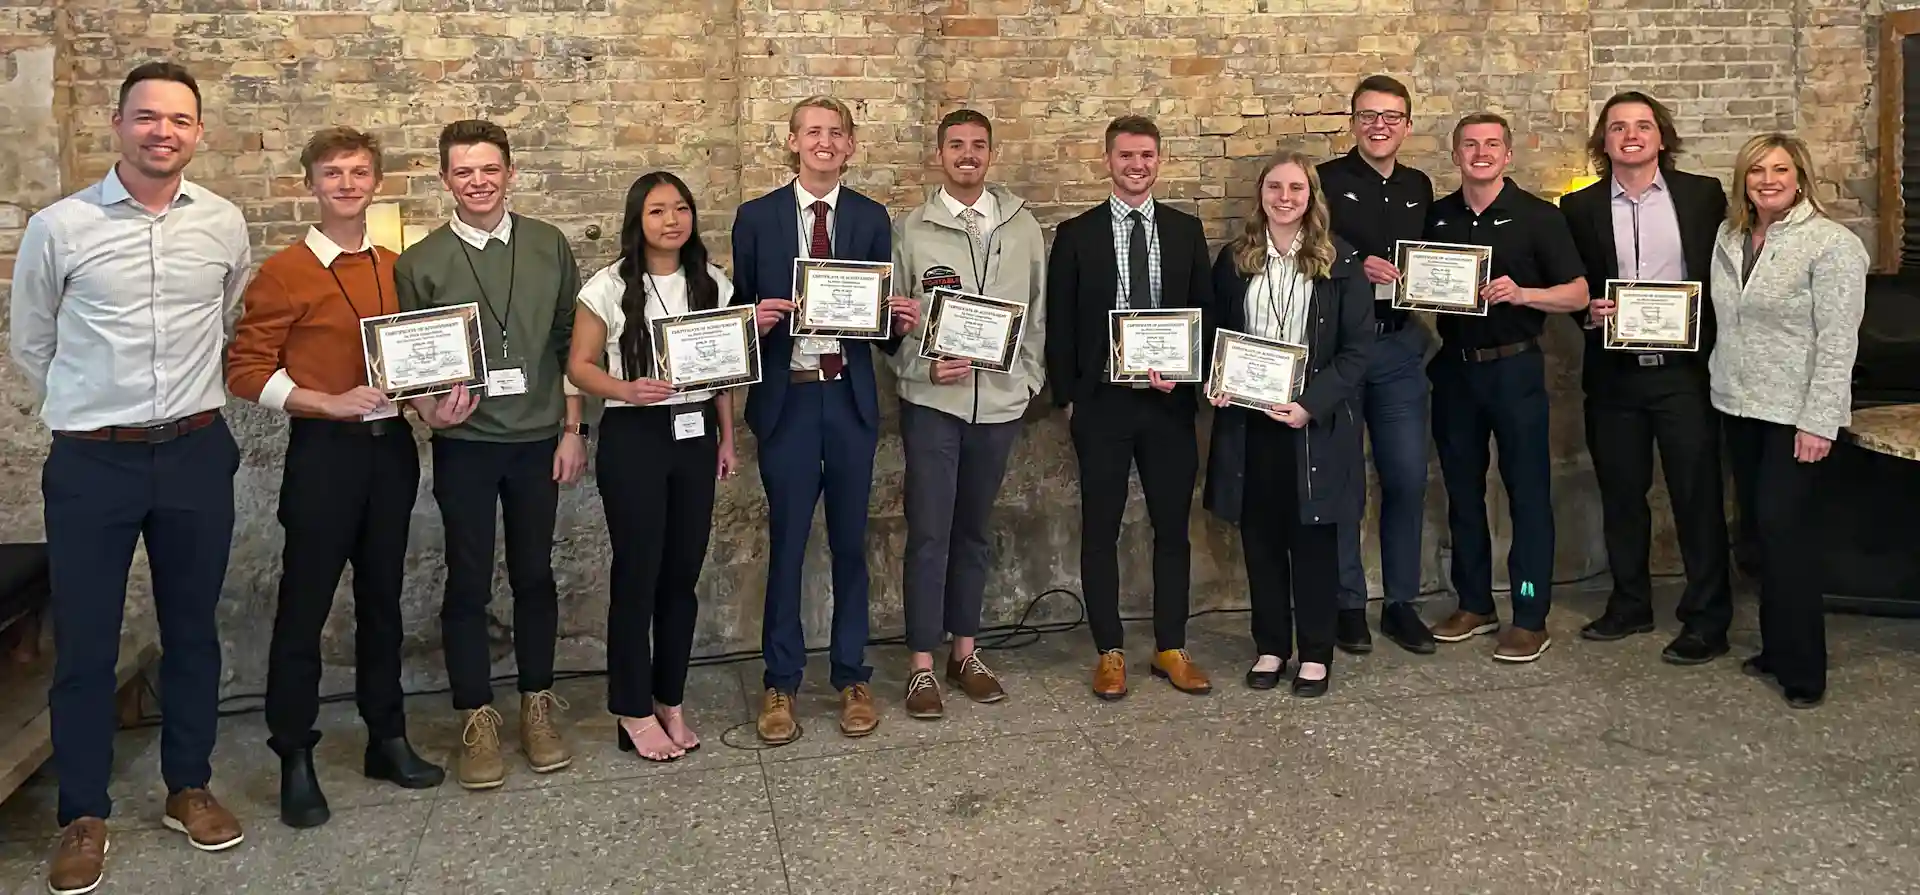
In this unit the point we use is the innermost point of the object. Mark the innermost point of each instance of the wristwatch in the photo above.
(580, 429)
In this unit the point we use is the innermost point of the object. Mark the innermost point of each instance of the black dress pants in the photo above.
(1293, 569)
(346, 496)
(1777, 491)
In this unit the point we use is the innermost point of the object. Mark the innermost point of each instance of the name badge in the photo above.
(509, 381)
(689, 424)
(389, 412)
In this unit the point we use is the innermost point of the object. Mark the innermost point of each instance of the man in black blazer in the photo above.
(1645, 220)
(1128, 252)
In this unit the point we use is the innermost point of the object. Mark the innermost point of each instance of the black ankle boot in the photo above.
(395, 761)
(302, 804)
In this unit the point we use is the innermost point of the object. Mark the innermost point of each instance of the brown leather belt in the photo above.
(156, 434)
(812, 376)
(1497, 352)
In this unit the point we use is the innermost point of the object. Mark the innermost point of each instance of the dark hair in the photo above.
(1466, 121)
(332, 141)
(1381, 84)
(703, 293)
(470, 132)
(1662, 118)
(160, 70)
(1138, 125)
(958, 117)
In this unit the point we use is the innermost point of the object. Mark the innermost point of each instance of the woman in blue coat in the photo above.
(1287, 477)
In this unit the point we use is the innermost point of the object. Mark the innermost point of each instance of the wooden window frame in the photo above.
(1895, 26)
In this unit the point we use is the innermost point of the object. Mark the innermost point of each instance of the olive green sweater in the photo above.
(528, 284)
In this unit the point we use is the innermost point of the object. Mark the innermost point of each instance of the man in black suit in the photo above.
(1128, 252)
(1645, 220)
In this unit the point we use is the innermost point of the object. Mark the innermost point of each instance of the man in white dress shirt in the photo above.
(120, 299)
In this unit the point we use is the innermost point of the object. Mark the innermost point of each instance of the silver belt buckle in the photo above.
(1652, 360)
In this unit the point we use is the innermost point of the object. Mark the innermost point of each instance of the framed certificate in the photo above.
(706, 350)
(980, 329)
(1653, 315)
(1443, 277)
(841, 299)
(424, 352)
(1166, 340)
(1254, 372)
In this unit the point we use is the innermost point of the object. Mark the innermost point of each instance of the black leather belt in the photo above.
(1497, 352)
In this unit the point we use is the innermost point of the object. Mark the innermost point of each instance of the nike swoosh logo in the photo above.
(1413, 204)
(1351, 196)
(1498, 221)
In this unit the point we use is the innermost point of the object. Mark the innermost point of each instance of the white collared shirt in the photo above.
(605, 294)
(1279, 296)
(807, 351)
(986, 205)
(476, 237)
(119, 315)
(324, 248)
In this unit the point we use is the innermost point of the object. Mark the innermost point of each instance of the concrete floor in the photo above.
(1597, 769)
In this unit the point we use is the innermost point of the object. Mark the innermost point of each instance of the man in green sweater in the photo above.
(512, 444)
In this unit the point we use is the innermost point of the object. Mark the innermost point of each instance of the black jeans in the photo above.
(470, 480)
(1113, 428)
(658, 496)
(102, 497)
(1507, 400)
(1777, 491)
(1629, 411)
(1293, 570)
(346, 495)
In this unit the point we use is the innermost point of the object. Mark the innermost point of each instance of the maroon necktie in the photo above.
(822, 247)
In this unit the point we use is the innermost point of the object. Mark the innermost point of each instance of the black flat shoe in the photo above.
(1401, 623)
(395, 762)
(1265, 680)
(1610, 627)
(1804, 699)
(1306, 689)
(302, 804)
(1693, 649)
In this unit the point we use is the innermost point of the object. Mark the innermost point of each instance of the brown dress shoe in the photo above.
(1521, 645)
(1110, 676)
(923, 696)
(81, 858)
(1178, 668)
(1464, 625)
(209, 827)
(857, 714)
(776, 727)
(974, 678)
(540, 740)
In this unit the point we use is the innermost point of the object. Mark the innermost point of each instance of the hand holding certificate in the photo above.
(841, 299)
(424, 352)
(706, 350)
(1653, 315)
(1443, 277)
(980, 329)
(1253, 372)
(1161, 343)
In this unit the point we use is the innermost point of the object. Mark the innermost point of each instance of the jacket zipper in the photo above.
(1308, 429)
(980, 283)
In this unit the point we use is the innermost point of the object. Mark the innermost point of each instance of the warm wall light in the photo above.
(413, 233)
(1578, 183)
(384, 226)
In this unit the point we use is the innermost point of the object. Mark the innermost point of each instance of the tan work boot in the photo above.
(479, 765)
(81, 858)
(540, 738)
(776, 727)
(208, 825)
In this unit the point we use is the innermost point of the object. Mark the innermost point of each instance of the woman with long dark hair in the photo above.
(659, 455)
(1288, 476)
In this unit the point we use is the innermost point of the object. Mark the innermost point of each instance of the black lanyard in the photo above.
(382, 293)
(500, 319)
(1293, 283)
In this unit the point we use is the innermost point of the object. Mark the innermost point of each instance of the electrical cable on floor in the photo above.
(1018, 635)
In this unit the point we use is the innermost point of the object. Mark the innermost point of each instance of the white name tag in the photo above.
(689, 425)
(392, 410)
(510, 381)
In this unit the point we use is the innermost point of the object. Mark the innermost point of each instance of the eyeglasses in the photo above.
(1369, 117)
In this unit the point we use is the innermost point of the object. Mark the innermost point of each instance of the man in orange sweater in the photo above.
(352, 469)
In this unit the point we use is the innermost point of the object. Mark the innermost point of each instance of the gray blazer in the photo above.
(1788, 335)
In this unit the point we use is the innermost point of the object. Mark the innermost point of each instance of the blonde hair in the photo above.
(1315, 258)
(818, 102)
(1740, 212)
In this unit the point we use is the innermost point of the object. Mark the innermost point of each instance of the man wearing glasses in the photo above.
(1375, 201)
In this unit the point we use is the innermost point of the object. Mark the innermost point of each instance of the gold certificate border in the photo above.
(750, 345)
(877, 329)
(1611, 341)
(1118, 373)
(1483, 269)
(1009, 349)
(1217, 368)
(469, 315)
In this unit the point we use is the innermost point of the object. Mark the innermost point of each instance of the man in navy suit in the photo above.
(816, 411)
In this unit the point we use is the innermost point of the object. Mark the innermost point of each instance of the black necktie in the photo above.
(1139, 291)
